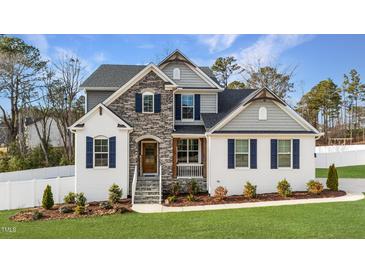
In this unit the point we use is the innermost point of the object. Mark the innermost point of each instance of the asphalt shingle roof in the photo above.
(189, 129)
(115, 76)
(228, 100)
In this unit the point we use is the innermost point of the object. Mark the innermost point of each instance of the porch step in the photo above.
(147, 190)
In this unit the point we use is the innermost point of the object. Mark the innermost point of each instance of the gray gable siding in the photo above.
(188, 78)
(95, 97)
(208, 103)
(277, 119)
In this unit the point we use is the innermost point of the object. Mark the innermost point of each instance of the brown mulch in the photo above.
(205, 199)
(91, 209)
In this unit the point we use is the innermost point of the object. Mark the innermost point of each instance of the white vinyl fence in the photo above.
(38, 173)
(348, 155)
(23, 194)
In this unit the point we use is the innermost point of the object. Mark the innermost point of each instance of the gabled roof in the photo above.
(79, 124)
(136, 78)
(112, 77)
(216, 123)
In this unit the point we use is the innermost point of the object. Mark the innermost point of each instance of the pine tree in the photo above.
(47, 200)
(332, 178)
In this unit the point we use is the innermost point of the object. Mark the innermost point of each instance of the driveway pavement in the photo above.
(349, 185)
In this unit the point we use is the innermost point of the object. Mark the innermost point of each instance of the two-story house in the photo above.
(149, 126)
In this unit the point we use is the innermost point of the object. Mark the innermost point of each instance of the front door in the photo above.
(149, 158)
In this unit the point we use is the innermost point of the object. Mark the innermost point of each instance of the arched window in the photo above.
(176, 74)
(262, 113)
(148, 102)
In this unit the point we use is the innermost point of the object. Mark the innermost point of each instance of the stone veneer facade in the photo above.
(156, 124)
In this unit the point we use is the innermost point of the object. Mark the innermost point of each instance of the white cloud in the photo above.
(218, 42)
(99, 57)
(268, 48)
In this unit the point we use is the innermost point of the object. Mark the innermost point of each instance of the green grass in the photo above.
(327, 220)
(343, 172)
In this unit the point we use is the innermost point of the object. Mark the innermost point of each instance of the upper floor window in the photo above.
(101, 152)
(176, 74)
(241, 153)
(284, 153)
(147, 102)
(262, 113)
(187, 107)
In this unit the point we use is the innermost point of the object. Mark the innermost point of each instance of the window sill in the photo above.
(101, 167)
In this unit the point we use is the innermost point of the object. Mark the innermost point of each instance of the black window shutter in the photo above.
(89, 152)
(274, 154)
(296, 153)
(157, 102)
(230, 153)
(253, 153)
(138, 102)
(197, 107)
(177, 106)
(112, 151)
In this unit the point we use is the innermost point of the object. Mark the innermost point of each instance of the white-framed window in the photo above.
(242, 152)
(284, 153)
(101, 152)
(187, 107)
(262, 113)
(188, 151)
(148, 102)
(176, 74)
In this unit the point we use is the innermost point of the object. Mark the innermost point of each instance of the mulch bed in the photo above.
(92, 209)
(205, 199)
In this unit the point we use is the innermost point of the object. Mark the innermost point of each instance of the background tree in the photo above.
(21, 67)
(64, 98)
(279, 82)
(353, 91)
(236, 85)
(224, 68)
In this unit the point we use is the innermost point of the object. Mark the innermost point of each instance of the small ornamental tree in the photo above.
(115, 193)
(47, 200)
(332, 178)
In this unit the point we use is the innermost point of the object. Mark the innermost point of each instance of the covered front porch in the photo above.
(189, 157)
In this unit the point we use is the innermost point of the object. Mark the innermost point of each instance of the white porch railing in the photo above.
(160, 186)
(190, 170)
(134, 184)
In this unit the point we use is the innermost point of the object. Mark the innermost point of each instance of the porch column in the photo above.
(203, 142)
(174, 157)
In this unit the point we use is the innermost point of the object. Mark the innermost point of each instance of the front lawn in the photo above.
(329, 220)
(343, 172)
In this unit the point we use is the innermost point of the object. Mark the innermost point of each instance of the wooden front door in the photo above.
(149, 157)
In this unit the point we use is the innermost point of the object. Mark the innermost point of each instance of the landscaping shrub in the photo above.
(314, 187)
(193, 187)
(70, 198)
(47, 200)
(65, 209)
(332, 178)
(249, 190)
(175, 189)
(284, 188)
(190, 197)
(171, 199)
(80, 199)
(115, 193)
(220, 193)
(37, 215)
(105, 205)
(80, 209)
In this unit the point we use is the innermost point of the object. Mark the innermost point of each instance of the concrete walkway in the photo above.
(155, 208)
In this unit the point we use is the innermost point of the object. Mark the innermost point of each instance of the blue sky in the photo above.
(316, 57)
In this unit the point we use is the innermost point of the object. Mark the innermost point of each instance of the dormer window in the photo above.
(262, 113)
(148, 102)
(176, 74)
